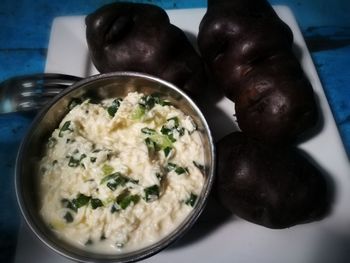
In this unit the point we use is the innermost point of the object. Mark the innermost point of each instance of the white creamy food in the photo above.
(121, 174)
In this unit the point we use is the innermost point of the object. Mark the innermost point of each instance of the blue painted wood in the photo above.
(24, 33)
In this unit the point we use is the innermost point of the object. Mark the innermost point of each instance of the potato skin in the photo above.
(139, 37)
(248, 50)
(269, 186)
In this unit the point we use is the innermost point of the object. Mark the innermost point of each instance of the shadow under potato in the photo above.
(331, 187)
(220, 121)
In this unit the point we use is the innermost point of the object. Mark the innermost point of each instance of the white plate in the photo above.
(215, 238)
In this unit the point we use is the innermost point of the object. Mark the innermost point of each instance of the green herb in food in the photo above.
(181, 131)
(151, 147)
(93, 159)
(173, 122)
(199, 166)
(95, 203)
(178, 169)
(170, 166)
(138, 112)
(110, 177)
(76, 203)
(151, 193)
(148, 131)
(167, 151)
(75, 162)
(107, 169)
(112, 110)
(125, 199)
(161, 141)
(164, 102)
(115, 208)
(158, 100)
(181, 170)
(191, 200)
(65, 127)
(116, 179)
(68, 217)
(81, 200)
(168, 132)
(147, 102)
(170, 127)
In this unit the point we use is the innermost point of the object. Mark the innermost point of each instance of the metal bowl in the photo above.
(103, 86)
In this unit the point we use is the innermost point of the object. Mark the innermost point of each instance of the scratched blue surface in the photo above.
(24, 33)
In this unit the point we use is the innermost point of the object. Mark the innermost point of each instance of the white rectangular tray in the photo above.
(214, 239)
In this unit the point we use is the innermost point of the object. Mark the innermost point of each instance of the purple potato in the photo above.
(139, 37)
(270, 186)
(248, 50)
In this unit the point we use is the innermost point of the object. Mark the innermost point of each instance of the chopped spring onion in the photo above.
(112, 110)
(95, 203)
(107, 169)
(151, 193)
(75, 162)
(191, 200)
(65, 127)
(68, 217)
(199, 166)
(125, 199)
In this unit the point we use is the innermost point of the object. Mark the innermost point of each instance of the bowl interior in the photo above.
(100, 87)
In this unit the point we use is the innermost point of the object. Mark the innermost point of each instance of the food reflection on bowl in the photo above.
(90, 187)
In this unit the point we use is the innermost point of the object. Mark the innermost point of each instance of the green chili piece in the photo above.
(167, 151)
(107, 169)
(68, 217)
(116, 179)
(81, 201)
(176, 121)
(151, 147)
(199, 166)
(95, 203)
(65, 127)
(148, 131)
(138, 112)
(114, 208)
(112, 110)
(151, 193)
(170, 166)
(148, 102)
(125, 199)
(75, 162)
(191, 200)
(181, 170)
(110, 177)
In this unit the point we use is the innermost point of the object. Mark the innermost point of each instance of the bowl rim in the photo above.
(168, 239)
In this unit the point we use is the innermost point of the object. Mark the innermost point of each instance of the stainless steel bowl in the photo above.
(101, 86)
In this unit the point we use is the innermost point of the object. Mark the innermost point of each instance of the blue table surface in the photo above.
(24, 32)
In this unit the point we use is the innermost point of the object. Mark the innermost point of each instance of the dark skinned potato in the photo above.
(248, 50)
(272, 187)
(139, 37)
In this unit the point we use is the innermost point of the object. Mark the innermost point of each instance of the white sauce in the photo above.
(90, 144)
